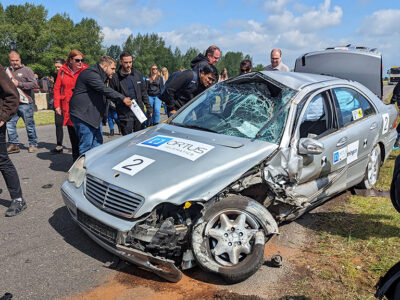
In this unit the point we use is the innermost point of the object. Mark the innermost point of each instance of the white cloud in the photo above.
(382, 23)
(113, 13)
(276, 7)
(295, 32)
(115, 36)
(310, 21)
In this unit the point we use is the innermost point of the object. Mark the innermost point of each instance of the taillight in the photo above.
(395, 122)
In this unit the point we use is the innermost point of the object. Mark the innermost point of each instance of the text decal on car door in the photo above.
(185, 148)
(133, 164)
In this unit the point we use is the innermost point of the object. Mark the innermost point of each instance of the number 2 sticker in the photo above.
(385, 119)
(133, 164)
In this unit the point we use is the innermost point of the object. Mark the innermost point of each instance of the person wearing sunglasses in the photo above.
(63, 90)
(246, 66)
(154, 87)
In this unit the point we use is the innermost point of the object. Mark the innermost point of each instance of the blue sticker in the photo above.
(157, 141)
(335, 157)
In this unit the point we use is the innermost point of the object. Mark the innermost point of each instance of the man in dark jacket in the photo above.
(88, 103)
(211, 58)
(185, 86)
(129, 82)
(9, 98)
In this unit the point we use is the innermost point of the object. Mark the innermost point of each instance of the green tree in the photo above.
(259, 67)
(39, 41)
(231, 61)
(147, 50)
(114, 51)
(187, 58)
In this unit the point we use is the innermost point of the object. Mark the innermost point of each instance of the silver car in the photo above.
(210, 186)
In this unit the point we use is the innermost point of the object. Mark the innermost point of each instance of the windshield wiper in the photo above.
(195, 127)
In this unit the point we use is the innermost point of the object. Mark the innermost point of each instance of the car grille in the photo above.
(108, 233)
(111, 198)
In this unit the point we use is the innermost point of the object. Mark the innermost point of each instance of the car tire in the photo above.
(229, 240)
(373, 169)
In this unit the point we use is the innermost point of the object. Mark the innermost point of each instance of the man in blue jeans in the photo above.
(24, 79)
(88, 103)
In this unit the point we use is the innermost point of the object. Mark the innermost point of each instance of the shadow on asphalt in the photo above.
(58, 162)
(62, 222)
(5, 203)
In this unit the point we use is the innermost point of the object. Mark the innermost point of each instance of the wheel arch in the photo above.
(260, 212)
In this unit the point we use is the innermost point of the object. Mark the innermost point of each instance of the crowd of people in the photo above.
(86, 97)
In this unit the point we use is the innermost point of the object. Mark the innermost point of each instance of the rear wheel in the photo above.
(373, 168)
(229, 241)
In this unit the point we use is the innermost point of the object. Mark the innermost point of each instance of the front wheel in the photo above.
(373, 168)
(229, 240)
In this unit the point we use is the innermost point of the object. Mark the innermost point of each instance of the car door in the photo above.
(358, 122)
(320, 174)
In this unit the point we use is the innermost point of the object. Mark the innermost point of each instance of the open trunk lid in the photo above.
(353, 63)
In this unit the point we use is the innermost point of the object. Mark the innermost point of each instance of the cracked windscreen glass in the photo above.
(251, 108)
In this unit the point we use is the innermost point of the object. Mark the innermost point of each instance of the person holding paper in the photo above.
(88, 103)
(130, 82)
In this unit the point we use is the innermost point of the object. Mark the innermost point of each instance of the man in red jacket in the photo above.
(9, 99)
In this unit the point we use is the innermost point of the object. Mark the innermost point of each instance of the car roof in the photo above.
(297, 80)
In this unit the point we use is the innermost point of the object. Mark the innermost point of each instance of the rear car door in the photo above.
(358, 121)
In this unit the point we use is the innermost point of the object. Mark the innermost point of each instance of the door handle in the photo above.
(342, 141)
(373, 126)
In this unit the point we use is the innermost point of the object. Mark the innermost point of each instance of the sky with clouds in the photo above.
(251, 26)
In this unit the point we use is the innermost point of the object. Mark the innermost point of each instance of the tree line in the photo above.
(39, 40)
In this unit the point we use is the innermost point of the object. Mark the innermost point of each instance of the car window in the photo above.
(349, 105)
(367, 108)
(249, 109)
(315, 119)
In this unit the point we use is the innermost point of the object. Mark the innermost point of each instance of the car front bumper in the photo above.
(109, 231)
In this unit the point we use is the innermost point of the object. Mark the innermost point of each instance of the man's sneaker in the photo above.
(12, 148)
(16, 207)
(112, 132)
(32, 149)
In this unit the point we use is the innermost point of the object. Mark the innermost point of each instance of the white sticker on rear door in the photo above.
(352, 152)
(185, 148)
(357, 114)
(385, 119)
(133, 164)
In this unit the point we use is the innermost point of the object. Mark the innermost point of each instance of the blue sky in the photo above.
(250, 26)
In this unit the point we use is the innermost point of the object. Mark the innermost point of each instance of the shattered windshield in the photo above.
(249, 108)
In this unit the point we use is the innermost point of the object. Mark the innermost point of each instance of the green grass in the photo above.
(40, 117)
(355, 243)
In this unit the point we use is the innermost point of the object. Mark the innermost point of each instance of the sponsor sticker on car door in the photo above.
(184, 148)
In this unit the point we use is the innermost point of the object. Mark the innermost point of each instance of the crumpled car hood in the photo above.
(175, 176)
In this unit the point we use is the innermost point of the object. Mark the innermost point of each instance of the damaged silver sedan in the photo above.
(210, 186)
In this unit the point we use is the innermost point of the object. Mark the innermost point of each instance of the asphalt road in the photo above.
(44, 254)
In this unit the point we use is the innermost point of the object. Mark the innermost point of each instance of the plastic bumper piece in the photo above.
(162, 267)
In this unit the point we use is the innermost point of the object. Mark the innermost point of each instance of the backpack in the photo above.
(170, 78)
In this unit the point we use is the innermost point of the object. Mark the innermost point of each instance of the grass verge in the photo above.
(355, 243)
(40, 117)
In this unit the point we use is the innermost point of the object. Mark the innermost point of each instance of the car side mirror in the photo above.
(310, 146)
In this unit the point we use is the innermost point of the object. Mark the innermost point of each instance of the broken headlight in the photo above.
(77, 173)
